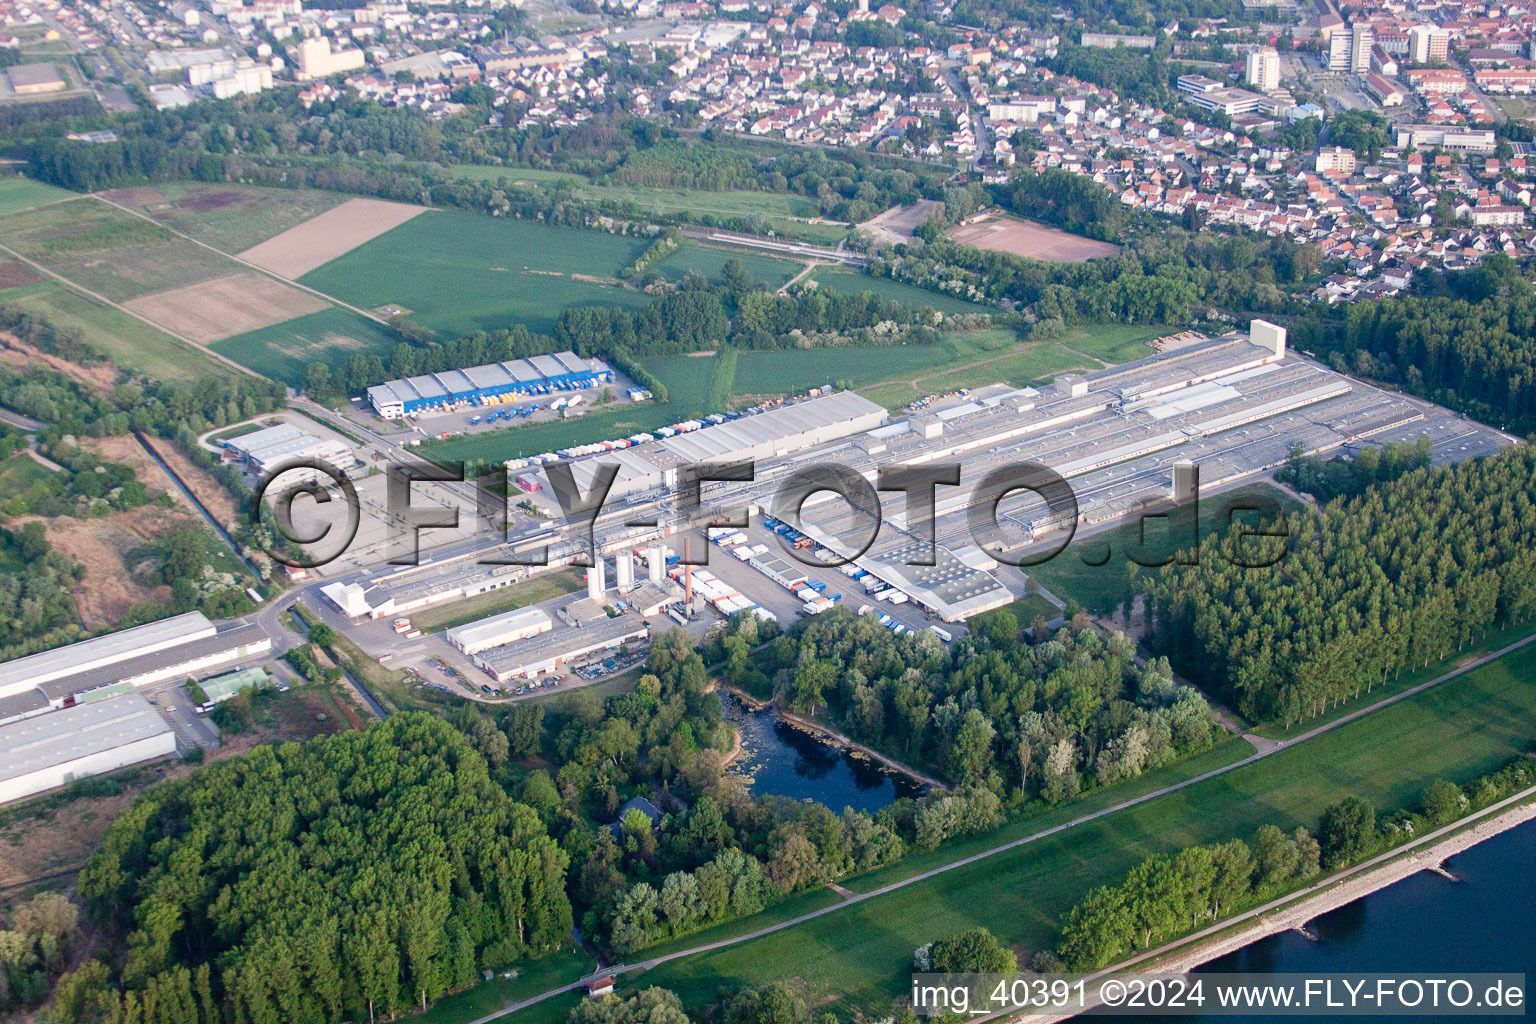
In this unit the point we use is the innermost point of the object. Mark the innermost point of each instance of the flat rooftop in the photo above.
(72, 733)
(489, 629)
(228, 639)
(561, 642)
(25, 673)
(1227, 404)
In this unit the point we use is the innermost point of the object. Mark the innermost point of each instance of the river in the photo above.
(1426, 923)
(779, 758)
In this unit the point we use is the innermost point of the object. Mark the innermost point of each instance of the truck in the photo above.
(886, 620)
(898, 596)
(942, 633)
(803, 542)
(401, 625)
(473, 420)
(817, 585)
(865, 609)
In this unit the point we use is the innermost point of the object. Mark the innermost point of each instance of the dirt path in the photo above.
(125, 310)
(808, 269)
(243, 262)
(1295, 909)
(1033, 837)
(1102, 363)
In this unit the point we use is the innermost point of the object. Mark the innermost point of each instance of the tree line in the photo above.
(693, 316)
(1467, 341)
(1403, 574)
(1168, 895)
(1162, 273)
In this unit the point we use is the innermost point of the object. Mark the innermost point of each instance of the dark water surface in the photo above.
(779, 758)
(1485, 921)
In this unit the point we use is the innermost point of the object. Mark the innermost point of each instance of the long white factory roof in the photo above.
(72, 733)
(34, 669)
(788, 428)
(475, 633)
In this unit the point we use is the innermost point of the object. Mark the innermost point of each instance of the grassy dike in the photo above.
(859, 959)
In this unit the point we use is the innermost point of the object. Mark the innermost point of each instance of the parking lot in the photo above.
(768, 594)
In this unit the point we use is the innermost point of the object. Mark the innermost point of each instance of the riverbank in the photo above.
(1295, 910)
(1298, 913)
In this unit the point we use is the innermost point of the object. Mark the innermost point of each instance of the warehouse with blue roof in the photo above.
(480, 385)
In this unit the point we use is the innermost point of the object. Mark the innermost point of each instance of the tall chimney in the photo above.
(687, 572)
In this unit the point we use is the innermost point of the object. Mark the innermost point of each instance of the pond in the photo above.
(780, 758)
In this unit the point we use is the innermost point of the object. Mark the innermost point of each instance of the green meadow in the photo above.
(862, 955)
(459, 272)
(18, 193)
(284, 351)
(126, 340)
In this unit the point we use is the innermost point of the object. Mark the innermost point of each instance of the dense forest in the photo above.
(1406, 572)
(1326, 479)
(1041, 718)
(355, 875)
(1467, 340)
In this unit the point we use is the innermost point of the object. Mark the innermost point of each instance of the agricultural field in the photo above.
(18, 194)
(1455, 732)
(109, 251)
(459, 272)
(791, 371)
(284, 351)
(227, 217)
(226, 306)
(337, 231)
(128, 342)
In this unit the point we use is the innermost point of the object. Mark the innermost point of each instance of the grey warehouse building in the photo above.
(75, 743)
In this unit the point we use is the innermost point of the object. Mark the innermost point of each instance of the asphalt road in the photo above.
(924, 876)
